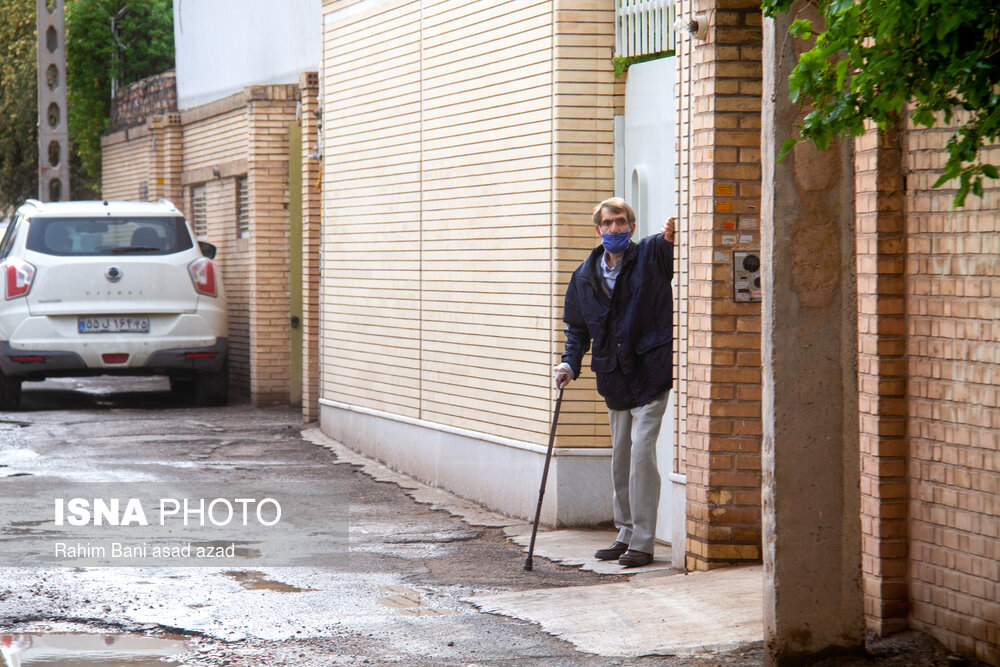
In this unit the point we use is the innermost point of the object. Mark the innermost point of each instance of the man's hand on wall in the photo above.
(668, 230)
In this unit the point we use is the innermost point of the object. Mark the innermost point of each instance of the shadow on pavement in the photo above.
(103, 393)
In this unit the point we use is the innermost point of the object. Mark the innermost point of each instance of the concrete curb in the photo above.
(468, 511)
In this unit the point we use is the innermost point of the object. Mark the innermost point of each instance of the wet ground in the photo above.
(402, 599)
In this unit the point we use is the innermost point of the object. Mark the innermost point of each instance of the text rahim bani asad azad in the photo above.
(200, 512)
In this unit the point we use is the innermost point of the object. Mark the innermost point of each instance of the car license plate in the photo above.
(116, 324)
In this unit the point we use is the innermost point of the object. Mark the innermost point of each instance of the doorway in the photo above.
(646, 177)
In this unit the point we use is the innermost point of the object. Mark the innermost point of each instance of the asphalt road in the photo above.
(400, 600)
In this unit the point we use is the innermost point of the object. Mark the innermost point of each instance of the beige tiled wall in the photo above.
(465, 144)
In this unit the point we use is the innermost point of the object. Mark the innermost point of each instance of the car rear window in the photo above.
(108, 236)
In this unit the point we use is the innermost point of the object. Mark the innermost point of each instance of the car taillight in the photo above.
(114, 358)
(19, 275)
(202, 272)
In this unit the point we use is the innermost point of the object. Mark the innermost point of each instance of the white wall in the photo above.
(224, 45)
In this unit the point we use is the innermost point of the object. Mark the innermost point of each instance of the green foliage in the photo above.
(622, 63)
(93, 59)
(941, 56)
(143, 46)
(18, 104)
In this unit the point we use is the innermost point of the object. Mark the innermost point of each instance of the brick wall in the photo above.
(269, 111)
(125, 163)
(882, 378)
(953, 394)
(723, 340)
(311, 227)
(245, 136)
(218, 131)
(143, 162)
(153, 96)
(234, 261)
(685, 52)
(215, 146)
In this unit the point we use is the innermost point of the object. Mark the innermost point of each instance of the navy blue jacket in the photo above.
(631, 328)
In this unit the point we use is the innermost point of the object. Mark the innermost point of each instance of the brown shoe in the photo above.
(611, 553)
(633, 558)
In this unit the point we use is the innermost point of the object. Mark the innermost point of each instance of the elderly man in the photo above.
(620, 299)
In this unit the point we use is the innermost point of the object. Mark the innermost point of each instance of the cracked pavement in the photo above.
(403, 598)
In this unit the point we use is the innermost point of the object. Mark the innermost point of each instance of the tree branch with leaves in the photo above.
(939, 57)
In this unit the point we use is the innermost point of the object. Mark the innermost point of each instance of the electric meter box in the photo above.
(746, 276)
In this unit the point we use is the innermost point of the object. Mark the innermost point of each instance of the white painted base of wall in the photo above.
(502, 475)
(671, 516)
(673, 499)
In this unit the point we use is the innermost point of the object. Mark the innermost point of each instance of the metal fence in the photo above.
(643, 27)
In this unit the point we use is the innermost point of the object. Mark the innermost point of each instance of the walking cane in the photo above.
(545, 474)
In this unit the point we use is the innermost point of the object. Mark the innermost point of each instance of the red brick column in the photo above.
(882, 378)
(723, 369)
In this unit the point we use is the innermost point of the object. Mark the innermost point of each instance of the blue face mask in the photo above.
(616, 243)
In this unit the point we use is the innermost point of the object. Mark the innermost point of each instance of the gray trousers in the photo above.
(633, 468)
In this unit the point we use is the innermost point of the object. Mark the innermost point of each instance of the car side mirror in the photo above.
(207, 249)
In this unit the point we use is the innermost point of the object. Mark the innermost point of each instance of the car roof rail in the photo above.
(33, 202)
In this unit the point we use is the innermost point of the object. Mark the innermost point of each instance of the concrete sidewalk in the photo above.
(653, 610)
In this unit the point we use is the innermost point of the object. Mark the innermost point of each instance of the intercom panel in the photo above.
(746, 276)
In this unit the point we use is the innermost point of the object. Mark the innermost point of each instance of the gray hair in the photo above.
(615, 205)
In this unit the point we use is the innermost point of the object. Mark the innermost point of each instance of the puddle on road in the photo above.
(258, 581)
(86, 650)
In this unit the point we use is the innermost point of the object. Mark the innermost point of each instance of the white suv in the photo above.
(110, 288)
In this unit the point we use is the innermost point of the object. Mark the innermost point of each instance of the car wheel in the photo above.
(10, 393)
(212, 389)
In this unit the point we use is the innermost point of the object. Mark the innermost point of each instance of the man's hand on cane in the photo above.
(562, 374)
